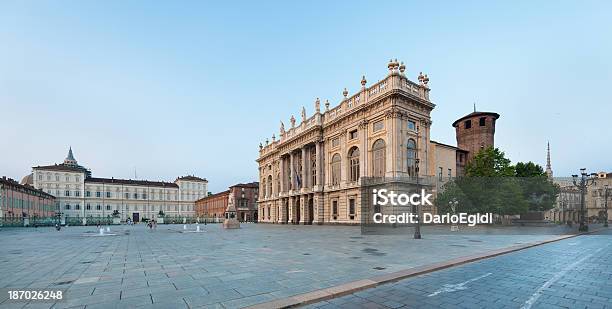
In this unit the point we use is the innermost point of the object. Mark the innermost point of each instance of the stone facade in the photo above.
(79, 194)
(313, 173)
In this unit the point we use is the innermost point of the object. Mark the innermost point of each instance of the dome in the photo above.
(28, 180)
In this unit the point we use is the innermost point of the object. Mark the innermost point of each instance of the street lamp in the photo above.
(582, 183)
(417, 229)
(606, 205)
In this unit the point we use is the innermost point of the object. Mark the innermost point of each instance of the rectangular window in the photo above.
(450, 173)
(77, 193)
(67, 206)
(378, 125)
(334, 208)
(135, 196)
(98, 207)
(144, 196)
(108, 194)
(468, 124)
(87, 193)
(67, 193)
(77, 206)
(67, 178)
(411, 125)
(352, 208)
(440, 174)
(335, 142)
(98, 194)
(127, 196)
(482, 121)
(108, 207)
(88, 206)
(353, 134)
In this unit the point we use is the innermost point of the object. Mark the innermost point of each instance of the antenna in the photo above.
(135, 175)
(474, 106)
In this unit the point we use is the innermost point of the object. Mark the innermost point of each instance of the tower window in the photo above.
(468, 124)
(482, 121)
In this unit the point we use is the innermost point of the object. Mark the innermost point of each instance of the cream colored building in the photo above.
(313, 172)
(78, 194)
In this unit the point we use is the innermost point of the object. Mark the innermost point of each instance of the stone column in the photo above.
(291, 172)
(282, 174)
(318, 208)
(304, 175)
(303, 208)
(318, 162)
(363, 149)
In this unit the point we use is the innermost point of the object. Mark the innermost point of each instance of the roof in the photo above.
(63, 168)
(13, 183)
(191, 178)
(475, 114)
(145, 183)
(226, 192)
(247, 185)
(28, 179)
(449, 146)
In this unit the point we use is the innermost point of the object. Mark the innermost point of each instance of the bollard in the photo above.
(197, 228)
(101, 231)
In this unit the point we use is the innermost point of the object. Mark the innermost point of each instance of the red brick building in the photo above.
(24, 204)
(245, 197)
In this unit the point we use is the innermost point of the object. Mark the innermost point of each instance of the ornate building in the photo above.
(312, 174)
(21, 203)
(79, 195)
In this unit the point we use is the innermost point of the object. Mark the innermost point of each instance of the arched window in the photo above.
(378, 158)
(270, 185)
(335, 169)
(313, 167)
(353, 158)
(411, 157)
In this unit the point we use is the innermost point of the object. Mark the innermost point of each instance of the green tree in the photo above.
(538, 190)
(490, 162)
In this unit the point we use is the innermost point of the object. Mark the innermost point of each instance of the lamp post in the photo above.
(582, 182)
(417, 229)
(606, 205)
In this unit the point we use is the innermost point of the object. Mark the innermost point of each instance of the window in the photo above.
(411, 125)
(270, 185)
(108, 207)
(40, 177)
(353, 134)
(353, 158)
(77, 206)
(335, 209)
(56, 177)
(67, 193)
(378, 125)
(313, 166)
(98, 194)
(108, 194)
(440, 173)
(67, 178)
(482, 121)
(468, 124)
(411, 154)
(352, 208)
(127, 196)
(67, 207)
(144, 196)
(87, 193)
(98, 207)
(135, 196)
(378, 158)
(77, 193)
(77, 178)
(335, 169)
(335, 142)
(88, 206)
(450, 173)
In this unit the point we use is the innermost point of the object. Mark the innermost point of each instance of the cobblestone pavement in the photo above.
(167, 268)
(572, 273)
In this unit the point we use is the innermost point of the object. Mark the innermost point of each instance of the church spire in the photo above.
(70, 160)
(549, 171)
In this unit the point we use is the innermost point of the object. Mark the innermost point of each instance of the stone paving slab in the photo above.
(257, 263)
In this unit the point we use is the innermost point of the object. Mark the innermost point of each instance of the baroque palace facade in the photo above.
(79, 195)
(312, 174)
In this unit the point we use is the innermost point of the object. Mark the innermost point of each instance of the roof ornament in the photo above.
(345, 93)
(395, 65)
(390, 66)
(402, 68)
(267, 142)
(303, 114)
(282, 128)
(260, 146)
(318, 106)
(363, 81)
(326, 105)
(273, 138)
(425, 80)
(420, 78)
(292, 120)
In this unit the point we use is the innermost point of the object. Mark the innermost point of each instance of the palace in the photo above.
(312, 174)
(79, 195)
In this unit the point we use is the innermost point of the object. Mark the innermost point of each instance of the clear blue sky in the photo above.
(181, 87)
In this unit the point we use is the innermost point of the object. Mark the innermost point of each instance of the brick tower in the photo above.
(475, 131)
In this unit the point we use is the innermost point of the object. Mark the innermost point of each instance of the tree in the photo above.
(538, 190)
(490, 162)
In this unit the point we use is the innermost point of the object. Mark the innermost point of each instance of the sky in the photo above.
(162, 89)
